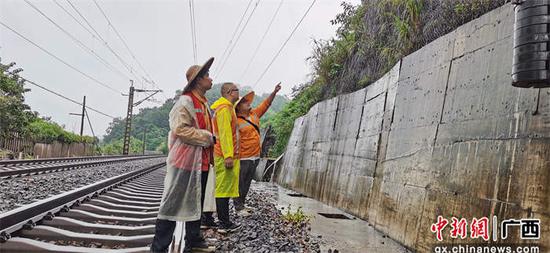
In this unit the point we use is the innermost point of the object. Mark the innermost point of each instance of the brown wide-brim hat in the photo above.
(249, 97)
(195, 71)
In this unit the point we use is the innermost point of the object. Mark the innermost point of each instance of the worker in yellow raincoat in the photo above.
(248, 124)
(226, 153)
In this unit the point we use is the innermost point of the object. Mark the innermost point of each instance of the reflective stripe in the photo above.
(243, 125)
(250, 158)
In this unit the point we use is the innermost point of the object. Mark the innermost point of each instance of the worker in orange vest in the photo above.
(248, 124)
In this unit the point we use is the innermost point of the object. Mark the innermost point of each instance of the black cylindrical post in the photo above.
(531, 63)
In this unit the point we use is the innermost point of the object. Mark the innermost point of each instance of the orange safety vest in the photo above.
(203, 121)
(217, 146)
(250, 146)
(249, 137)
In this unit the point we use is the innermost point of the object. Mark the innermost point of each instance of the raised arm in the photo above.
(261, 109)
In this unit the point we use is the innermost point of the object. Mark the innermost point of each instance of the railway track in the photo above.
(19, 168)
(113, 215)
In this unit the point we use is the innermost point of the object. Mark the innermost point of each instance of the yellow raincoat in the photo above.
(227, 145)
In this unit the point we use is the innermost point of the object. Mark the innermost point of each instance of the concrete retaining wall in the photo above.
(57, 149)
(442, 133)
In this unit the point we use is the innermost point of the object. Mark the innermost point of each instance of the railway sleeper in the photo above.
(115, 212)
(143, 190)
(109, 204)
(133, 198)
(86, 227)
(112, 220)
(141, 195)
(30, 245)
(116, 200)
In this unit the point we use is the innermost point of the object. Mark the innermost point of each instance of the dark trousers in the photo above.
(164, 229)
(248, 168)
(193, 228)
(206, 216)
(222, 209)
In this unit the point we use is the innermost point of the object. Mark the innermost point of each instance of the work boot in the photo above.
(198, 246)
(208, 223)
(227, 228)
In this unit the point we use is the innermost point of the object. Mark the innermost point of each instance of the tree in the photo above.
(155, 120)
(152, 120)
(115, 147)
(46, 131)
(15, 115)
(277, 105)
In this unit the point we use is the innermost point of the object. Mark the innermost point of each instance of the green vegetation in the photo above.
(277, 105)
(298, 217)
(115, 147)
(155, 122)
(17, 118)
(283, 122)
(45, 131)
(14, 113)
(370, 39)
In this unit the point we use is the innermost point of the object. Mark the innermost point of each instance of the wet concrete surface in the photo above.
(343, 235)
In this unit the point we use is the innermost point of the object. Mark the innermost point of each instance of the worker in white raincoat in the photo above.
(190, 143)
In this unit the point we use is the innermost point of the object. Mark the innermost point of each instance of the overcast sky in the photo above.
(159, 34)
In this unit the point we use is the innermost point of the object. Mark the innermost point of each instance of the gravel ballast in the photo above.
(15, 192)
(265, 230)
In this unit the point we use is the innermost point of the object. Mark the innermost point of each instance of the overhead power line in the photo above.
(130, 51)
(104, 42)
(234, 33)
(261, 40)
(193, 29)
(123, 42)
(62, 96)
(78, 42)
(60, 60)
(73, 17)
(284, 44)
(238, 37)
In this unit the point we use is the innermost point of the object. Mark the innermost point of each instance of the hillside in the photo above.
(370, 39)
(155, 121)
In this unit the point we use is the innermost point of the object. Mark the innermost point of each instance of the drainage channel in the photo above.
(117, 216)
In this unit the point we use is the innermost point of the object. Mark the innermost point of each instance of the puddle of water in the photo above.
(335, 216)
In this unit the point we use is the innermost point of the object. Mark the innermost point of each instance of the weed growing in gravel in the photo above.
(297, 217)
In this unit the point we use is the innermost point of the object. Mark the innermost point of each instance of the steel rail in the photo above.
(10, 163)
(62, 167)
(27, 216)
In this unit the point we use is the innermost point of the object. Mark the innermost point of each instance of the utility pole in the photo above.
(126, 146)
(131, 104)
(81, 116)
(144, 138)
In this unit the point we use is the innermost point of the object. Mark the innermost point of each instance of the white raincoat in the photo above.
(182, 185)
